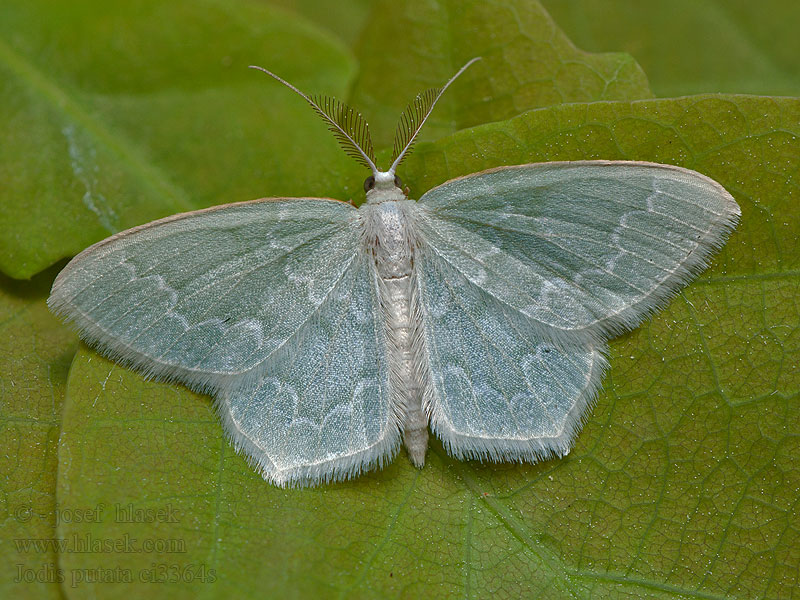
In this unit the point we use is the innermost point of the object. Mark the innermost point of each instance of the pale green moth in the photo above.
(327, 333)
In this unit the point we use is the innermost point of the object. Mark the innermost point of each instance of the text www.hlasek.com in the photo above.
(89, 544)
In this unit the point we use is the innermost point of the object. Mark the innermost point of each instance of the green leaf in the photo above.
(690, 47)
(409, 46)
(346, 22)
(683, 482)
(111, 119)
(34, 361)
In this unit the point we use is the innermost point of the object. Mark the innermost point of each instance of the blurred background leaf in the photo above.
(691, 47)
(683, 482)
(116, 114)
(527, 62)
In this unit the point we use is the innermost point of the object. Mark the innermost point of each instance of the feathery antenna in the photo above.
(347, 124)
(414, 117)
(352, 131)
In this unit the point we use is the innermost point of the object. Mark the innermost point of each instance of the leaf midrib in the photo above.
(63, 101)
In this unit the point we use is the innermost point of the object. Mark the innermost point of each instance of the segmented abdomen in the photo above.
(389, 237)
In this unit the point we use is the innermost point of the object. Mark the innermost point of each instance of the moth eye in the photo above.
(398, 182)
(369, 183)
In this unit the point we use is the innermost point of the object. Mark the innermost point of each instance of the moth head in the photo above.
(383, 181)
(384, 187)
(352, 131)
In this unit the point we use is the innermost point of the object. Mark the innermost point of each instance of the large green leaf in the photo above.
(113, 114)
(682, 483)
(34, 361)
(690, 47)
